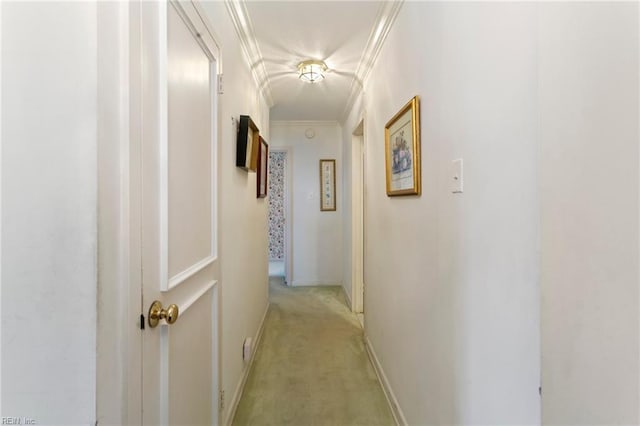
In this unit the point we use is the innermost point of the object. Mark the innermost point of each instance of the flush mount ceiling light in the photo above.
(312, 71)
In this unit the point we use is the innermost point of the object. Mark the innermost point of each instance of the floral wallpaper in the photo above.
(277, 161)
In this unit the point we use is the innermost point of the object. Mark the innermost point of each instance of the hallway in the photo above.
(311, 366)
(465, 173)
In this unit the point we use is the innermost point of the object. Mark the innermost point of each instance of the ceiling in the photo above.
(277, 35)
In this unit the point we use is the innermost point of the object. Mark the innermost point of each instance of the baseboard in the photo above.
(237, 395)
(347, 297)
(315, 283)
(398, 416)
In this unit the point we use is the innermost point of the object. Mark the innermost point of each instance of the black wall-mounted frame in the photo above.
(248, 144)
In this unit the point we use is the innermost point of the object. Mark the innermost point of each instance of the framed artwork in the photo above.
(402, 150)
(327, 185)
(263, 162)
(247, 144)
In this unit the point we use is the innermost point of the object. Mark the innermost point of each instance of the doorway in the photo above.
(357, 220)
(280, 213)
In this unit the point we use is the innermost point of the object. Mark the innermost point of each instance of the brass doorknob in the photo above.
(157, 313)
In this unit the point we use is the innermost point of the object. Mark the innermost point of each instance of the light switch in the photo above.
(456, 176)
(311, 195)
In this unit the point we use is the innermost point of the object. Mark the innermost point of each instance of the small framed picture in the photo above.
(263, 161)
(402, 150)
(327, 185)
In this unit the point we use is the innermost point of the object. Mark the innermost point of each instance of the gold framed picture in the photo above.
(402, 150)
(327, 185)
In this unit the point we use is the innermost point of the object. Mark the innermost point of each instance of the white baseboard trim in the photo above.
(315, 283)
(347, 296)
(398, 415)
(237, 395)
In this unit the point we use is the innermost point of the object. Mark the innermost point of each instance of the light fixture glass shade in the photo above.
(312, 71)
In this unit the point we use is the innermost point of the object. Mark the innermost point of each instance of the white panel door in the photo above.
(179, 262)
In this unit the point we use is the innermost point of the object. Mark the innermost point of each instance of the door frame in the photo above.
(119, 301)
(357, 217)
(288, 211)
(118, 395)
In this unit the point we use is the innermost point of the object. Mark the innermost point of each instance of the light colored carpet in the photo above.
(311, 367)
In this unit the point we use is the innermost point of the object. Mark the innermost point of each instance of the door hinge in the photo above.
(142, 321)
(540, 390)
(220, 84)
(221, 400)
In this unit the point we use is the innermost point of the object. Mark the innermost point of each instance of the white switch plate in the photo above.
(246, 349)
(457, 176)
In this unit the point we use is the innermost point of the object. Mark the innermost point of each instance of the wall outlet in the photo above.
(246, 349)
(456, 176)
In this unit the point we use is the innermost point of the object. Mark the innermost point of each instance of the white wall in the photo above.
(317, 236)
(541, 102)
(451, 301)
(243, 227)
(588, 135)
(49, 100)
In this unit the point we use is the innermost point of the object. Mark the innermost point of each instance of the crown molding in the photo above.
(387, 14)
(242, 23)
(303, 123)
